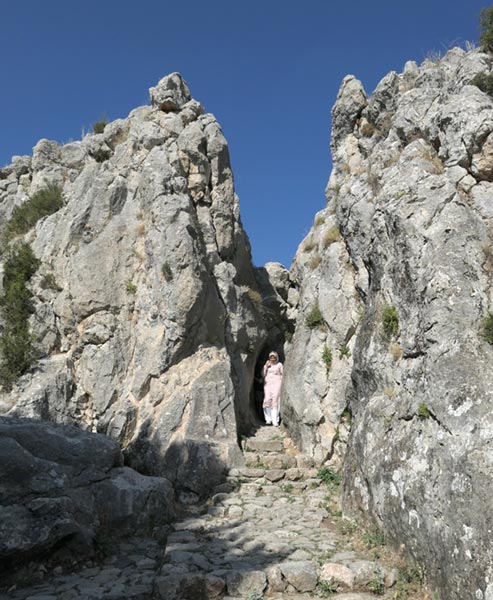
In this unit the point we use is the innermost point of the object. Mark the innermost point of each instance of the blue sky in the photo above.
(268, 70)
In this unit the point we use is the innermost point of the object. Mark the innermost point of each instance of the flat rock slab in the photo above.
(246, 583)
(264, 445)
(275, 474)
(302, 575)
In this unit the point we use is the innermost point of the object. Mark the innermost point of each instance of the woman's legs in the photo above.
(274, 414)
(267, 415)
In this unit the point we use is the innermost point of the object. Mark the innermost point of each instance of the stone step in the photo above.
(259, 445)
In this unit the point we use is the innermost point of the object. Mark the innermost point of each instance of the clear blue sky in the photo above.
(269, 71)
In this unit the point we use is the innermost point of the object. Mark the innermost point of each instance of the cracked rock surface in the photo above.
(63, 489)
(407, 232)
(150, 325)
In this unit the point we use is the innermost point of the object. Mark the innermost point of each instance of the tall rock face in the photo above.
(146, 308)
(411, 194)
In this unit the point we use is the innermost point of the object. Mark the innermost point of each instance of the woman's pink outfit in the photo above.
(272, 392)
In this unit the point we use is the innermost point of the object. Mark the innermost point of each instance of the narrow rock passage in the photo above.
(273, 530)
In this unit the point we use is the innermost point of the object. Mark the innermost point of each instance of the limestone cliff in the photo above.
(399, 265)
(147, 318)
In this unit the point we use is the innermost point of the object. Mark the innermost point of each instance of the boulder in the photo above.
(61, 487)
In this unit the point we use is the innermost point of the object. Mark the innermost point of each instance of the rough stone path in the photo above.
(273, 530)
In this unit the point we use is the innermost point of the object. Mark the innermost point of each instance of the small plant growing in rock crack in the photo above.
(347, 416)
(131, 288)
(390, 321)
(331, 236)
(315, 318)
(423, 411)
(486, 331)
(166, 271)
(326, 588)
(328, 476)
(48, 282)
(376, 584)
(99, 126)
(374, 537)
(348, 526)
(291, 500)
(103, 544)
(327, 357)
(408, 578)
(287, 488)
(344, 352)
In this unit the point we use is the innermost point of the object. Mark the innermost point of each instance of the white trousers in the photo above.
(271, 416)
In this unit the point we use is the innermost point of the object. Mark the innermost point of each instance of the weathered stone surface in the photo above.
(171, 93)
(153, 329)
(410, 193)
(302, 575)
(275, 579)
(59, 484)
(244, 583)
(336, 573)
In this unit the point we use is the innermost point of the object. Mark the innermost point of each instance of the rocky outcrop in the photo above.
(406, 287)
(62, 490)
(146, 309)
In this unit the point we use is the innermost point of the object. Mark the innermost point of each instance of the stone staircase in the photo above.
(272, 530)
(275, 532)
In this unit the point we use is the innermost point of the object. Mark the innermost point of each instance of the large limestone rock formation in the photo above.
(149, 327)
(61, 487)
(411, 194)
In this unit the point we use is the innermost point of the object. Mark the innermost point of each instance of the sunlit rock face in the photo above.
(150, 324)
(400, 264)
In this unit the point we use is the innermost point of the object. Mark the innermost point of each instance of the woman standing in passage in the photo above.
(272, 373)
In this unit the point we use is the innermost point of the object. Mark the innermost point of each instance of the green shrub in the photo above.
(376, 584)
(423, 411)
(131, 288)
(326, 588)
(16, 349)
(486, 331)
(166, 271)
(315, 318)
(98, 126)
(327, 357)
(49, 283)
(484, 82)
(344, 352)
(486, 25)
(374, 537)
(390, 321)
(41, 204)
(329, 476)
